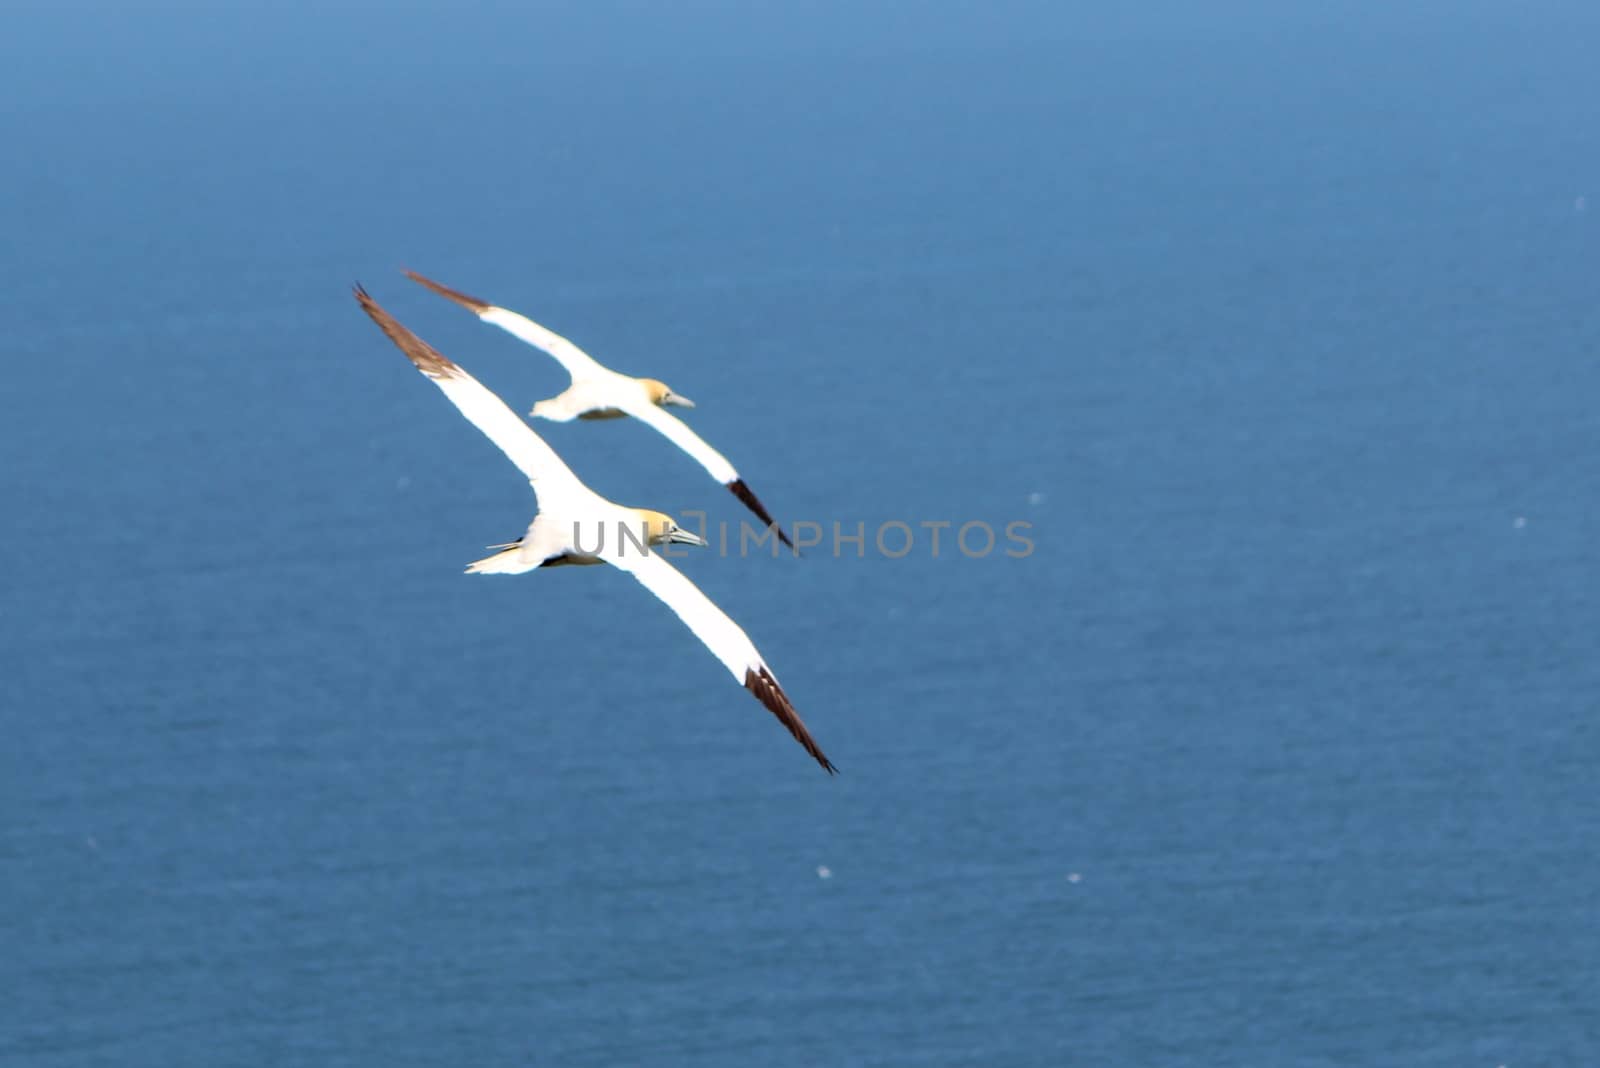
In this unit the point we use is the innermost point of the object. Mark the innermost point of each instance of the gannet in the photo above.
(575, 525)
(597, 392)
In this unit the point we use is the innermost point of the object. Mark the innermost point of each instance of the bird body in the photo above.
(585, 534)
(604, 394)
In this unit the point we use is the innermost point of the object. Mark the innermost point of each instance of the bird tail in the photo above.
(508, 561)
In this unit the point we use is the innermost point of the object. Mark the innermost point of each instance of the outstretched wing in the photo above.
(577, 362)
(725, 638)
(545, 470)
(677, 431)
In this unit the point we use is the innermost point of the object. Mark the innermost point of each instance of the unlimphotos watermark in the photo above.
(894, 539)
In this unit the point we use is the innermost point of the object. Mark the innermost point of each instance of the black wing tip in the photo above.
(429, 360)
(770, 694)
(472, 304)
(740, 489)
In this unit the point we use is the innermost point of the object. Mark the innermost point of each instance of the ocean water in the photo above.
(1278, 328)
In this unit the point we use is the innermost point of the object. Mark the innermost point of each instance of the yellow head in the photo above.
(661, 529)
(661, 396)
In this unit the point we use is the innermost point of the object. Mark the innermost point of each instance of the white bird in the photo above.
(575, 525)
(597, 392)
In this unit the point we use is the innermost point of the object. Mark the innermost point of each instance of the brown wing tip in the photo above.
(472, 304)
(742, 491)
(769, 693)
(425, 356)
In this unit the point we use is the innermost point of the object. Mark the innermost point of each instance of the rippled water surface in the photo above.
(1279, 330)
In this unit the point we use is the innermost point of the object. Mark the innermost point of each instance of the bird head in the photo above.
(662, 529)
(661, 396)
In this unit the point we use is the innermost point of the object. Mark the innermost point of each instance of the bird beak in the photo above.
(688, 537)
(677, 401)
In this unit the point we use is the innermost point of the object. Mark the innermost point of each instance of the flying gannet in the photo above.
(575, 525)
(597, 392)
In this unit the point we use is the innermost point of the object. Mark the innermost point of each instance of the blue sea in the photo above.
(1276, 325)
